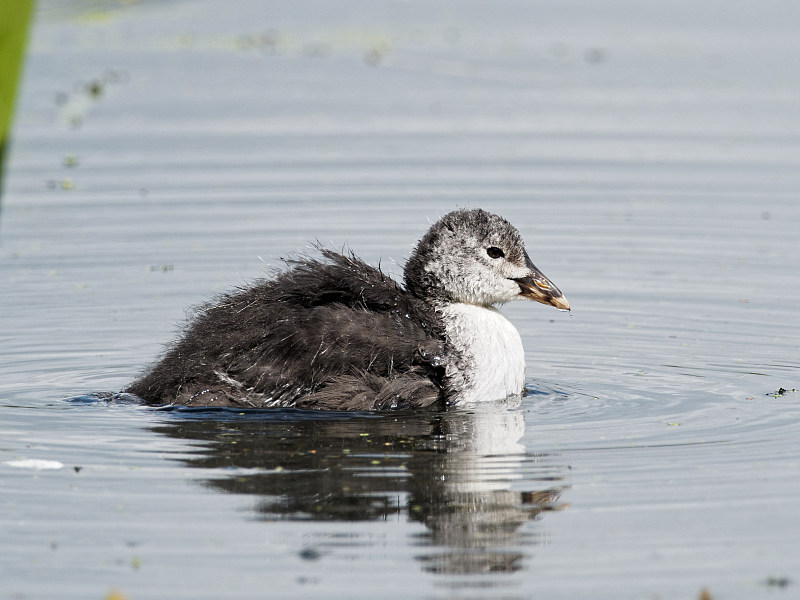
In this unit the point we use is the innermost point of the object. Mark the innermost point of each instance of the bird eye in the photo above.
(495, 252)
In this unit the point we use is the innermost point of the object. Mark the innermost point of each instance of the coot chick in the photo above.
(337, 334)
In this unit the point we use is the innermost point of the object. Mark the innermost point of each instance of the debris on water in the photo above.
(781, 392)
(94, 89)
(705, 595)
(74, 107)
(594, 56)
(65, 184)
(309, 554)
(37, 464)
(777, 582)
(376, 54)
(161, 268)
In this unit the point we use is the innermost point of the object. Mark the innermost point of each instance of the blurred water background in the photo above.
(648, 152)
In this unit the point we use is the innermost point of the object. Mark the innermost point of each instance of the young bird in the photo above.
(337, 334)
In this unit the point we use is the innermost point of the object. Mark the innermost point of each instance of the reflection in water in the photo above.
(462, 473)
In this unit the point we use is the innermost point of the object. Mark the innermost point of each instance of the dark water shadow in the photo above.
(462, 474)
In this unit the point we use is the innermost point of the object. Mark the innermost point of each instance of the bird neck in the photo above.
(488, 361)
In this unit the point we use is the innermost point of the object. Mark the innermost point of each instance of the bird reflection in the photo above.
(463, 474)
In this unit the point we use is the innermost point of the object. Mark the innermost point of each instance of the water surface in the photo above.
(167, 151)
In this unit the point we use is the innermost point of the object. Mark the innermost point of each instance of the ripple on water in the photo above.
(635, 418)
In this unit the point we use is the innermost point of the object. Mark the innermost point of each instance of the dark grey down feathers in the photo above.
(333, 334)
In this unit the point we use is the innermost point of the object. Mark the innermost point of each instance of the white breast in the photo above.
(494, 361)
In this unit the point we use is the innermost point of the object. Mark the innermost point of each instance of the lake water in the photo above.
(648, 152)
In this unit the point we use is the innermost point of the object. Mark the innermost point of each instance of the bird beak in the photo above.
(535, 286)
